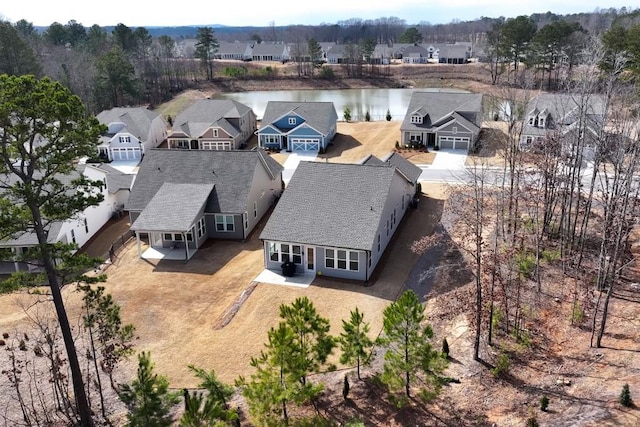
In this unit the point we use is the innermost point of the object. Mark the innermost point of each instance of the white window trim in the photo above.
(292, 120)
(201, 228)
(416, 119)
(347, 259)
(225, 223)
(276, 248)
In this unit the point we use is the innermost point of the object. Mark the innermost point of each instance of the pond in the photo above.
(359, 101)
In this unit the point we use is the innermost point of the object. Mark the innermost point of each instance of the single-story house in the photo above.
(270, 52)
(233, 51)
(549, 113)
(181, 198)
(415, 54)
(342, 227)
(80, 229)
(298, 126)
(213, 124)
(132, 131)
(442, 119)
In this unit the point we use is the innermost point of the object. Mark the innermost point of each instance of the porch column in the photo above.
(186, 244)
(138, 243)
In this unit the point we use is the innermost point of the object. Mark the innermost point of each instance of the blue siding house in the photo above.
(298, 126)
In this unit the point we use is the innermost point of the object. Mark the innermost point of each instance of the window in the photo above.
(416, 119)
(201, 227)
(182, 143)
(189, 237)
(274, 251)
(329, 258)
(541, 122)
(168, 236)
(255, 209)
(215, 133)
(73, 236)
(454, 130)
(531, 120)
(173, 237)
(86, 226)
(378, 242)
(124, 139)
(224, 223)
(387, 227)
(292, 120)
(245, 219)
(342, 259)
(271, 139)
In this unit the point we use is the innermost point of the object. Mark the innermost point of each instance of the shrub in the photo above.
(625, 397)
(502, 365)
(367, 116)
(5, 335)
(577, 313)
(526, 263)
(436, 148)
(445, 348)
(347, 114)
(551, 255)
(327, 73)
(2, 342)
(544, 403)
(532, 421)
(388, 116)
(235, 72)
(397, 145)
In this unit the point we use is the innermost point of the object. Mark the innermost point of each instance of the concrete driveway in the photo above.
(292, 162)
(449, 159)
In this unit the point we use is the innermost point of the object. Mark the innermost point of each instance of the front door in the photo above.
(310, 266)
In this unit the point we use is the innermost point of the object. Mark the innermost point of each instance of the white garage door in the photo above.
(453, 142)
(301, 144)
(126, 153)
(216, 145)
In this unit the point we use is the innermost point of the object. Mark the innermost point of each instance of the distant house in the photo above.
(270, 52)
(442, 119)
(84, 226)
(213, 124)
(336, 54)
(131, 132)
(454, 53)
(233, 51)
(415, 54)
(341, 227)
(182, 198)
(549, 114)
(297, 126)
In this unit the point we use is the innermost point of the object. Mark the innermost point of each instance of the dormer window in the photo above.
(531, 118)
(292, 120)
(416, 119)
(541, 122)
(124, 139)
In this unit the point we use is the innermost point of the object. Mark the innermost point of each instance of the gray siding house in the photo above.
(341, 227)
(559, 114)
(181, 198)
(213, 124)
(442, 119)
(132, 131)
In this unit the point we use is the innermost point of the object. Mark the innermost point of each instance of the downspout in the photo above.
(366, 266)
(186, 244)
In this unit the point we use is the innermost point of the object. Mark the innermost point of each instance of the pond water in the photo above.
(359, 101)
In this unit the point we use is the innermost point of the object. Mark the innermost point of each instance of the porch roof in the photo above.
(174, 207)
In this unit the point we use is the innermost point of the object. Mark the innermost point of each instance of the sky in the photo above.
(263, 13)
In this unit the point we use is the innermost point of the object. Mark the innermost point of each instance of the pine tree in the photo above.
(355, 344)
(408, 346)
(148, 397)
(388, 116)
(212, 409)
(625, 397)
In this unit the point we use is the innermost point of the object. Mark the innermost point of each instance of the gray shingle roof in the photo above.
(321, 116)
(204, 113)
(174, 207)
(231, 171)
(331, 204)
(116, 180)
(564, 110)
(436, 106)
(137, 120)
(410, 171)
(275, 49)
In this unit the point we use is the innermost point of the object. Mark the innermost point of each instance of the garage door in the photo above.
(453, 142)
(300, 144)
(126, 153)
(216, 145)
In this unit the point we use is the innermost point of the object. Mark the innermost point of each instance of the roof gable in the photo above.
(321, 116)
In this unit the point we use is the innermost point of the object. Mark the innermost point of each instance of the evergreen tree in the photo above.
(16, 57)
(625, 397)
(408, 346)
(206, 47)
(355, 344)
(212, 409)
(312, 341)
(148, 397)
(44, 130)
